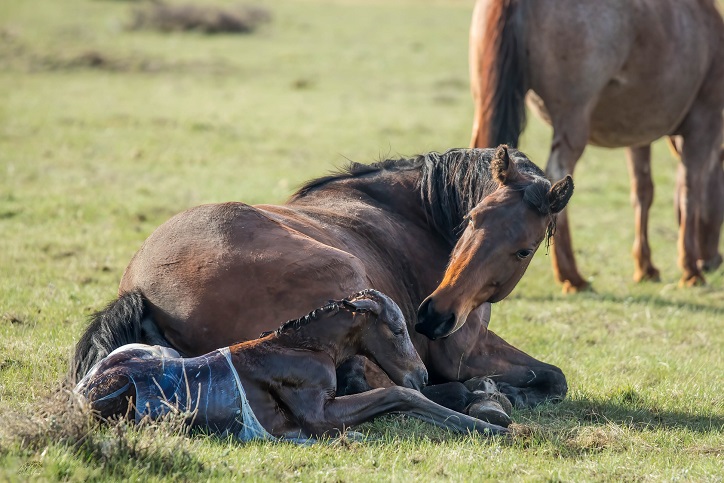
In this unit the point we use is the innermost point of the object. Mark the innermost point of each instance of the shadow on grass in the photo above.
(637, 299)
(627, 409)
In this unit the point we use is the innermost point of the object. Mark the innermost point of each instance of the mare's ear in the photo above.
(365, 305)
(502, 167)
(560, 193)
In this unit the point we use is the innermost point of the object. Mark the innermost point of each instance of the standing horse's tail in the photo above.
(497, 76)
(120, 323)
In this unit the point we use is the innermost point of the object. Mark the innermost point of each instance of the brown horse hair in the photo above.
(330, 308)
(451, 183)
(502, 81)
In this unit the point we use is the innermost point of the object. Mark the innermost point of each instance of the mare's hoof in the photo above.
(570, 288)
(489, 410)
(711, 264)
(696, 280)
(650, 274)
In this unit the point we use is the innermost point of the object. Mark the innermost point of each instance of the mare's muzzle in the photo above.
(431, 323)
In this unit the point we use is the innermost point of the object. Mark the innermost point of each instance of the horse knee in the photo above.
(351, 377)
(452, 395)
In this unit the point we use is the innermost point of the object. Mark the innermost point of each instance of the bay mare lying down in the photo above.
(281, 385)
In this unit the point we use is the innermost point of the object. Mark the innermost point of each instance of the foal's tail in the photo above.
(496, 75)
(120, 323)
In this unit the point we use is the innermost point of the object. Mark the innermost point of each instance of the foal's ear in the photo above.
(502, 167)
(560, 193)
(364, 305)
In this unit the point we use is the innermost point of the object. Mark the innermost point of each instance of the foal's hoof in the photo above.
(486, 387)
(695, 280)
(489, 410)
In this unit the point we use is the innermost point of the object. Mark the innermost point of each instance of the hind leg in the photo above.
(642, 195)
(711, 221)
(702, 134)
(358, 374)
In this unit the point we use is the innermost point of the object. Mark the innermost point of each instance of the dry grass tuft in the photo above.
(209, 19)
(59, 419)
(597, 438)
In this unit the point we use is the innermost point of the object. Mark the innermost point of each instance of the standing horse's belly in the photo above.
(627, 117)
(218, 274)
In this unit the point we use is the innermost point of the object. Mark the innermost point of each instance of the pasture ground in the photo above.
(106, 132)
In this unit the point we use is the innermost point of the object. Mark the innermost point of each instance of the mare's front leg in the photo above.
(474, 351)
(570, 135)
(642, 195)
(333, 415)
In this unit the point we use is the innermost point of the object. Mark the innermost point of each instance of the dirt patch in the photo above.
(209, 19)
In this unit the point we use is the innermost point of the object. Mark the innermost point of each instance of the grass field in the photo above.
(106, 132)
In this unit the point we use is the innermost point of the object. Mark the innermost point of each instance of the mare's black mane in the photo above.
(451, 183)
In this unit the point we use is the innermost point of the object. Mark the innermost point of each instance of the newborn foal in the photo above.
(281, 385)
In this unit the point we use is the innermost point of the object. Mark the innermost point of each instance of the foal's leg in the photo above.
(642, 195)
(346, 411)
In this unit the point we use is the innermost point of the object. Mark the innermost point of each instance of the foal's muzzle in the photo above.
(431, 323)
(416, 379)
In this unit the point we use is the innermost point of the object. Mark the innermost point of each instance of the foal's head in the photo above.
(500, 237)
(381, 334)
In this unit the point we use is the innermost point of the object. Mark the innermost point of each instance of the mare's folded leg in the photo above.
(475, 351)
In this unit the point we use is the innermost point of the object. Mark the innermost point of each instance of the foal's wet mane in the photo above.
(331, 308)
(451, 183)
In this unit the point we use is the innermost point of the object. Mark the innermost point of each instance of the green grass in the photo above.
(94, 157)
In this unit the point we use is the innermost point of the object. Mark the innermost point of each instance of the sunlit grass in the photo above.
(94, 157)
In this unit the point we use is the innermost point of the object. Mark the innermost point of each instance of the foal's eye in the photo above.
(523, 254)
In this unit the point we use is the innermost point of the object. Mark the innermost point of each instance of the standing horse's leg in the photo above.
(712, 217)
(570, 135)
(702, 133)
(642, 195)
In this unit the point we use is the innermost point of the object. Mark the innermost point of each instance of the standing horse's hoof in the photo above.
(711, 264)
(649, 274)
(695, 280)
(570, 288)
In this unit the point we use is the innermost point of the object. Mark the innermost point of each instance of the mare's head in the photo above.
(511, 219)
(384, 339)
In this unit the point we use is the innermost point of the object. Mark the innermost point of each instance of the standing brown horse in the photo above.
(613, 73)
(220, 273)
(281, 385)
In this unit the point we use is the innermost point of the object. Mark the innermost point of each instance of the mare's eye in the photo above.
(523, 254)
(397, 330)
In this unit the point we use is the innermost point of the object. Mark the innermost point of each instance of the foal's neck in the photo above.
(334, 338)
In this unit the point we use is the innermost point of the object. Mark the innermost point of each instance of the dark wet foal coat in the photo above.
(279, 386)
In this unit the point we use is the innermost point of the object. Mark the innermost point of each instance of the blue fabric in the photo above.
(206, 387)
